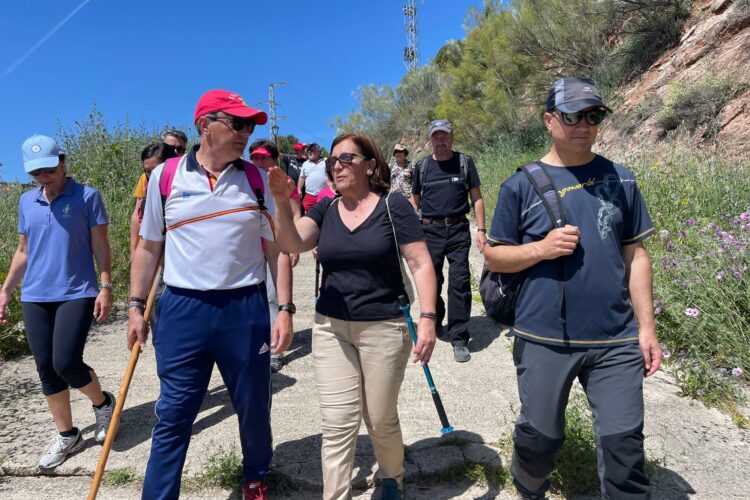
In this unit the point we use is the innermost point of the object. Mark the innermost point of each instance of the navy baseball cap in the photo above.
(40, 151)
(572, 94)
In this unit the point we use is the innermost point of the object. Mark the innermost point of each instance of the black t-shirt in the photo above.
(445, 193)
(361, 271)
(292, 166)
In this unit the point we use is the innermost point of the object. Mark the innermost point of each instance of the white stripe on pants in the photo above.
(359, 367)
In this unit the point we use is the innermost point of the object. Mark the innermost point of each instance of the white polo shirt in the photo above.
(213, 237)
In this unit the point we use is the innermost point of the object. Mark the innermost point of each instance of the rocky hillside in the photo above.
(715, 44)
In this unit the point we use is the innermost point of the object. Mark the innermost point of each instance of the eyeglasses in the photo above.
(237, 123)
(40, 171)
(345, 159)
(593, 117)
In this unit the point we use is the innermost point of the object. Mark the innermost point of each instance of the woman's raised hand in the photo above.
(280, 185)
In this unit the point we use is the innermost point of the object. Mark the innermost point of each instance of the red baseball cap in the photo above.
(230, 103)
(260, 152)
(298, 146)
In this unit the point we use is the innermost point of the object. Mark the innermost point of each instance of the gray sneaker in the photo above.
(461, 353)
(276, 362)
(103, 417)
(59, 449)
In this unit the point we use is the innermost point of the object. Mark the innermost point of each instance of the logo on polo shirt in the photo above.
(186, 195)
(66, 211)
(264, 349)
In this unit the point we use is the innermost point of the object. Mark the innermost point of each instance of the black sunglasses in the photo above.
(237, 123)
(345, 159)
(40, 171)
(593, 117)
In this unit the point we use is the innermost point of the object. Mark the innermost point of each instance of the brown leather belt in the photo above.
(444, 221)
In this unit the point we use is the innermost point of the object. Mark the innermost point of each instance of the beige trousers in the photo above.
(359, 367)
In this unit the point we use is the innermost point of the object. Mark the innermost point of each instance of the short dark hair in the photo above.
(176, 133)
(159, 150)
(269, 146)
(380, 180)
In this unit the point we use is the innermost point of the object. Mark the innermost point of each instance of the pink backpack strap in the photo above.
(256, 182)
(167, 176)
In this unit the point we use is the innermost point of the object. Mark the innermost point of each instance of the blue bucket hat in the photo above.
(572, 94)
(40, 151)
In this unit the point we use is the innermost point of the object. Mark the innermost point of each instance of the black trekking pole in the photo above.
(317, 278)
(447, 428)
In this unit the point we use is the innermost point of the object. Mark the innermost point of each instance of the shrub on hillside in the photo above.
(697, 105)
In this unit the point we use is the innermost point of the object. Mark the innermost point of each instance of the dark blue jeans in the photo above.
(197, 329)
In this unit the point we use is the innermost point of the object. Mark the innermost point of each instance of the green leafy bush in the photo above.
(697, 105)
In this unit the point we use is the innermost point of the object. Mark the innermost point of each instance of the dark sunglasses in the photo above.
(593, 117)
(237, 123)
(40, 171)
(345, 159)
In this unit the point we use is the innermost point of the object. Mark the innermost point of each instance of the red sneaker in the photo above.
(255, 490)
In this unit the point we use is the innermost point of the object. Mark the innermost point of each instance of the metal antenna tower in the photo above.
(273, 117)
(411, 51)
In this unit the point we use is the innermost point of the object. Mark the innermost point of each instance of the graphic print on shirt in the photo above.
(606, 193)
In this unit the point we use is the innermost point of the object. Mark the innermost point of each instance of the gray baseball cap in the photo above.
(573, 93)
(443, 125)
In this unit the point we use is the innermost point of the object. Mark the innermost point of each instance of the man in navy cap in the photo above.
(586, 285)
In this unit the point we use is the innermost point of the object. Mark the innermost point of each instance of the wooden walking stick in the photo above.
(124, 386)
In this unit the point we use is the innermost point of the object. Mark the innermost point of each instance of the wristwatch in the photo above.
(290, 308)
(108, 286)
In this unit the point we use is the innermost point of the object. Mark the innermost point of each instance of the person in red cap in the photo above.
(293, 163)
(216, 232)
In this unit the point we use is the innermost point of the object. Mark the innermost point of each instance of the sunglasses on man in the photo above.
(236, 123)
(40, 171)
(345, 159)
(593, 117)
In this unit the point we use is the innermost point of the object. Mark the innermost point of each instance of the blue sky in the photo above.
(151, 61)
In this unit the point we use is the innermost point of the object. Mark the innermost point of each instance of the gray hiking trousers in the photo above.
(612, 378)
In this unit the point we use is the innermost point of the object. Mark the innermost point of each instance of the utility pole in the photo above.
(272, 109)
(411, 51)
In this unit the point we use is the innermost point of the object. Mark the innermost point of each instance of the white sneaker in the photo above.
(59, 449)
(103, 417)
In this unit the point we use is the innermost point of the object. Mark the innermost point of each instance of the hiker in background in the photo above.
(312, 178)
(62, 229)
(584, 282)
(401, 171)
(360, 340)
(265, 155)
(214, 309)
(293, 163)
(442, 186)
(175, 138)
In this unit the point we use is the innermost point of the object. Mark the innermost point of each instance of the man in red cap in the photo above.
(293, 163)
(212, 215)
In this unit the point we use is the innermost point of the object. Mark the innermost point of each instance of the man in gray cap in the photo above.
(586, 282)
(441, 187)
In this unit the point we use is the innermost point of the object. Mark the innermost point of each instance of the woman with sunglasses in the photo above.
(62, 228)
(360, 340)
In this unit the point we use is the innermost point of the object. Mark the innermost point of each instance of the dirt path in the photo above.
(698, 452)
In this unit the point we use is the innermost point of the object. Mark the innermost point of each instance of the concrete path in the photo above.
(698, 452)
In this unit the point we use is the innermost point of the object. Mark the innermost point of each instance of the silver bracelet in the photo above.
(137, 305)
(107, 286)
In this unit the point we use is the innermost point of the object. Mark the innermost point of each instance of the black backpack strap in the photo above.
(547, 192)
(545, 188)
(464, 163)
(422, 166)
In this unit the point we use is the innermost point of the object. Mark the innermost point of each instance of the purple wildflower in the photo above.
(682, 234)
(737, 372)
(663, 234)
(691, 222)
(692, 312)
(719, 275)
(745, 215)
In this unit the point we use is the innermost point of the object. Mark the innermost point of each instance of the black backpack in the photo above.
(500, 291)
(464, 172)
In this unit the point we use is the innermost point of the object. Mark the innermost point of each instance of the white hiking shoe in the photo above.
(103, 417)
(59, 449)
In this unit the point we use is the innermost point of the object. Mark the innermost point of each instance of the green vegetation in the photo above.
(224, 470)
(696, 105)
(123, 476)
